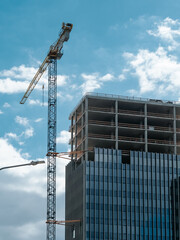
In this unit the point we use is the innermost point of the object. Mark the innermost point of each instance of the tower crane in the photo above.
(54, 54)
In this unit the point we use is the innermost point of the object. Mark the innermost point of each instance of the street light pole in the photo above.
(32, 163)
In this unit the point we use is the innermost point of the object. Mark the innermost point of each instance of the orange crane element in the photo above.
(64, 223)
(67, 223)
(54, 54)
(65, 155)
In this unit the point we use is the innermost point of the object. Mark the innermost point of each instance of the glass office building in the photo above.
(124, 188)
(124, 201)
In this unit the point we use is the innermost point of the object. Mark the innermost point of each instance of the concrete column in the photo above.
(82, 124)
(72, 137)
(174, 129)
(116, 124)
(75, 119)
(145, 128)
(86, 128)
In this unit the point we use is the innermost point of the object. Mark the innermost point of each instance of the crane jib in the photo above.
(54, 52)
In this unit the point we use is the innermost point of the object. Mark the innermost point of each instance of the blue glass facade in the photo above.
(134, 201)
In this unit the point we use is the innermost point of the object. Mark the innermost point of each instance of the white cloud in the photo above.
(21, 72)
(107, 77)
(34, 102)
(10, 86)
(1, 112)
(121, 77)
(74, 86)
(124, 73)
(37, 102)
(167, 30)
(68, 97)
(91, 83)
(63, 137)
(9, 155)
(132, 92)
(12, 135)
(17, 79)
(89, 77)
(22, 121)
(62, 80)
(38, 120)
(157, 71)
(64, 96)
(33, 230)
(29, 132)
(114, 27)
(6, 105)
(26, 155)
(29, 179)
(94, 81)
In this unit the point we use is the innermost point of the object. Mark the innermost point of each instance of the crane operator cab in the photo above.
(66, 28)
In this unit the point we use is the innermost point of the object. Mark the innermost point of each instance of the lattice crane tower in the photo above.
(54, 54)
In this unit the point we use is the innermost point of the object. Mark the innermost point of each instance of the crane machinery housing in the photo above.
(54, 54)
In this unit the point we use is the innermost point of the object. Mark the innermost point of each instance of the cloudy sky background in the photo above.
(128, 48)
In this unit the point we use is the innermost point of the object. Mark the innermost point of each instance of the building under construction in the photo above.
(123, 185)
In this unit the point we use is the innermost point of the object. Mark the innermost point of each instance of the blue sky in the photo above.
(129, 48)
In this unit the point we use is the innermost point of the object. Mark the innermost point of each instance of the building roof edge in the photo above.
(127, 98)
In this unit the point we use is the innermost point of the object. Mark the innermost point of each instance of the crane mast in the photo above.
(50, 61)
(51, 147)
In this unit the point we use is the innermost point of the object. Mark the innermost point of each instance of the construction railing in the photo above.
(127, 125)
(79, 142)
(76, 134)
(158, 141)
(167, 129)
(131, 112)
(98, 109)
(102, 136)
(131, 139)
(79, 129)
(130, 125)
(162, 115)
(97, 122)
(75, 122)
(141, 113)
(79, 115)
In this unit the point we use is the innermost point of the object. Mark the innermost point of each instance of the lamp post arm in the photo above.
(32, 163)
